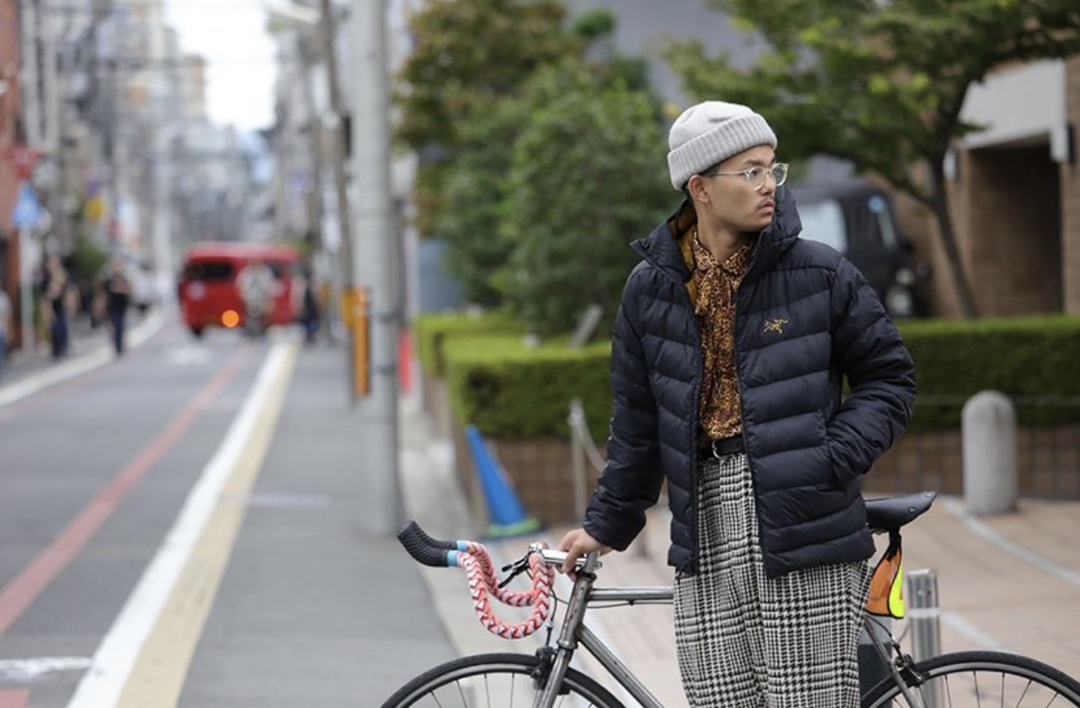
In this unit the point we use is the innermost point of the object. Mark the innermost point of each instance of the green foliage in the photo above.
(482, 74)
(433, 330)
(588, 175)
(1025, 358)
(472, 195)
(87, 260)
(469, 53)
(513, 392)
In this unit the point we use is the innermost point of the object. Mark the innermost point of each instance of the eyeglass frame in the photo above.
(770, 170)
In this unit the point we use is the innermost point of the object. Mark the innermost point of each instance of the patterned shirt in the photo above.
(717, 283)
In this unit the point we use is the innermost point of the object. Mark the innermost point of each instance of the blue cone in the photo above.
(505, 513)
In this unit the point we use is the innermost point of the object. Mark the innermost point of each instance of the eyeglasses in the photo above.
(755, 176)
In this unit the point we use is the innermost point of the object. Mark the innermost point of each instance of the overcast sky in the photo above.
(231, 35)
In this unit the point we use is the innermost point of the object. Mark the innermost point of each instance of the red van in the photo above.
(209, 287)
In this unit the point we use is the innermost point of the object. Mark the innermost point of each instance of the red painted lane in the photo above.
(14, 699)
(36, 577)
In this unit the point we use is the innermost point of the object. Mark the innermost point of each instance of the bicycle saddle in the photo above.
(890, 513)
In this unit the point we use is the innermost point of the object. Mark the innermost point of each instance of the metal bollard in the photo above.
(924, 617)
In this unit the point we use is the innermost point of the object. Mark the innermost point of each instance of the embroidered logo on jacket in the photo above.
(776, 325)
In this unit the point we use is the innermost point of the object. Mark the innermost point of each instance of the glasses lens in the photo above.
(779, 173)
(756, 177)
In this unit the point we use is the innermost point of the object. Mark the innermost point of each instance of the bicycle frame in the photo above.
(575, 632)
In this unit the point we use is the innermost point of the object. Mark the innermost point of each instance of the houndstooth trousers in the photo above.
(745, 640)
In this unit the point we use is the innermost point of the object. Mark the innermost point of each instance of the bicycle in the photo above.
(545, 679)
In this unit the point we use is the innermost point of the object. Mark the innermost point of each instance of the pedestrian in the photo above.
(54, 304)
(256, 285)
(6, 327)
(309, 308)
(116, 287)
(730, 349)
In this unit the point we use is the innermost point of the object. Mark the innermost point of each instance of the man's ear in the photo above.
(695, 187)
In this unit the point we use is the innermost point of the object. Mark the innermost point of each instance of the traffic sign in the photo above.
(28, 213)
(24, 159)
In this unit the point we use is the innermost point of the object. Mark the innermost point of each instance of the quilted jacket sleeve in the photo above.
(879, 370)
(632, 478)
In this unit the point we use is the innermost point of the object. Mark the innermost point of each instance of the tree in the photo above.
(467, 55)
(588, 176)
(474, 185)
(880, 83)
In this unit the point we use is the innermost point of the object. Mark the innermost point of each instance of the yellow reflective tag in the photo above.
(887, 584)
(896, 594)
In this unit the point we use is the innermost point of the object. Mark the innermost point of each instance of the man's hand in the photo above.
(577, 543)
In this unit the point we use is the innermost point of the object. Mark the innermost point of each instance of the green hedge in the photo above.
(1023, 357)
(511, 391)
(430, 331)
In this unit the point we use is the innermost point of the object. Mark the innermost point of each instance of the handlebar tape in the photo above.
(426, 550)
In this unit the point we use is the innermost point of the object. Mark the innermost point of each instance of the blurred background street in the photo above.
(265, 263)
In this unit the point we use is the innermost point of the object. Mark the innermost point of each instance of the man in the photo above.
(256, 285)
(117, 289)
(731, 345)
(55, 285)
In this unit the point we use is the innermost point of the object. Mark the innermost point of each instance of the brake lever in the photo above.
(515, 569)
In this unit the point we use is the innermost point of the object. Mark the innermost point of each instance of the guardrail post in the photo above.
(924, 618)
(991, 481)
(577, 457)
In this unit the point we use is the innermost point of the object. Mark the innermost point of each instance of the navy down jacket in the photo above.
(805, 319)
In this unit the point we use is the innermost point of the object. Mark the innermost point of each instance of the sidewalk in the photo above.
(1009, 582)
(88, 349)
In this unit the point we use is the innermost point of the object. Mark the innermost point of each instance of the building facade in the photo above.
(1014, 194)
(10, 138)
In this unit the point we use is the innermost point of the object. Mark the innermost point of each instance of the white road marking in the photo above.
(32, 669)
(189, 355)
(103, 683)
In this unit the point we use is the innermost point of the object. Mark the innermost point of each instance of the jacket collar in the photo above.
(661, 247)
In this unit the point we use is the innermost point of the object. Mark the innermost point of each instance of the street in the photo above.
(179, 529)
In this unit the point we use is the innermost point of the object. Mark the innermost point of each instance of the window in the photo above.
(824, 221)
(209, 271)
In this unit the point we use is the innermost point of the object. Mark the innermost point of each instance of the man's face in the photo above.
(731, 200)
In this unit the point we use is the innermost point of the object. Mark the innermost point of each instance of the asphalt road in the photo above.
(180, 527)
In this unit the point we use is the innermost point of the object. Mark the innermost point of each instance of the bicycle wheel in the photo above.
(980, 679)
(494, 680)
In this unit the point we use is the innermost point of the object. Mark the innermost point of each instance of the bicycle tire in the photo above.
(504, 674)
(981, 678)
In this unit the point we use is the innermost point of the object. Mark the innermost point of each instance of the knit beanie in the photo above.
(711, 132)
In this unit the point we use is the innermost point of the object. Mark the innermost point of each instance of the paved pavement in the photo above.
(1006, 582)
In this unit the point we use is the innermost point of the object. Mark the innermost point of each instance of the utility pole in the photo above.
(374, 260)
(29, 83)
(337, 159)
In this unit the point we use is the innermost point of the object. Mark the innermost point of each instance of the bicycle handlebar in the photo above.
(424, 549)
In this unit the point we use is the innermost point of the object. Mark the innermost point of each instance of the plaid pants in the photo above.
(745, 640)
